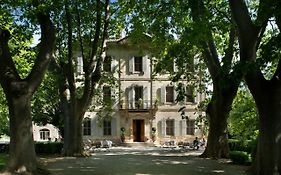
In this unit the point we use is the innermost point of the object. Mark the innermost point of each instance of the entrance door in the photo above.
(138, 130)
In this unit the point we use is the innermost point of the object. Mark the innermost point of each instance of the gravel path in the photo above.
(142, 161)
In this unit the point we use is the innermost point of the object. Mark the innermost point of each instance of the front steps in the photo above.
(138, 144)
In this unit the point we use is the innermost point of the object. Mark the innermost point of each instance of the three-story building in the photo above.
(144, 104)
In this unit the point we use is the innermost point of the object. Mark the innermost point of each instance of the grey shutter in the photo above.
(113, 127)
(144, 64)
(163, 127)
(163, 94)
(130, 96)
(177, 127)
(131, 64)
(146, 103)
(183, 127)
(175, 94)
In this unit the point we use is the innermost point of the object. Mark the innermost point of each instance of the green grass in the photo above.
(3, 159)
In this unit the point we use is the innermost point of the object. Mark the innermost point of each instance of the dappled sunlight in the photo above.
(144, 161)
(218, 171)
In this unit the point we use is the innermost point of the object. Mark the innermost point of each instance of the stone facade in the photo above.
(144, 103)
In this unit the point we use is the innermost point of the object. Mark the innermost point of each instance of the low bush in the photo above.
(240, 157)
(48, 147)
(246, 146)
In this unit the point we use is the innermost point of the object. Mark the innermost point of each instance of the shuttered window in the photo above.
(190, 127)
(107, 127)
(170, 127)
(138, 64)
(170, 94)
(87, 127)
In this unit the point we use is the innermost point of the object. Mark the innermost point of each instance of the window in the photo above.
(44, 134)
(107, 64)
(138, 92)
(189, 94)
(170, 123)
(106, 94)
(190, 127)
(107, 127)
(138, 64)
(170, 94)
(87, 127)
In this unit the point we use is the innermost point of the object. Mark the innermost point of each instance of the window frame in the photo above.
(44, 134)
(170, 127)
(107, 128)
(190, 127)
(138, 64)
(87, 126)
(169, 96)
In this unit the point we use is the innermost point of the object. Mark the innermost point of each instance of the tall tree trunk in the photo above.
(217, 112)
(21, 150)
(73, 133)
(19, 93)
(268, 155)
(267, 93)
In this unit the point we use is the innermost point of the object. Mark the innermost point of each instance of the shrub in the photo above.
(4, 148)
(246, 146)
(240, 157)
(48, 147)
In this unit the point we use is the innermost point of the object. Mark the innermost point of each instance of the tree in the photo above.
(181, 26)
(19, 91)
(82, 37)
(256, 50)
(243, 118)
(4, 115)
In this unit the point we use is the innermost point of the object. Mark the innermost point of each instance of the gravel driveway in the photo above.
(142, 161)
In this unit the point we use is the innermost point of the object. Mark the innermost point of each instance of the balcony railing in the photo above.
(136, 105)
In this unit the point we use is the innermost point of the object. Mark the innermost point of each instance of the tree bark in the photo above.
(21, 149)
(73, 145)
(19, 92)
(225, 83)
(268, 154)
(267, 93)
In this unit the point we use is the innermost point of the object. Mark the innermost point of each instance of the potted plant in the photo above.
(123, 134)
(140, 103)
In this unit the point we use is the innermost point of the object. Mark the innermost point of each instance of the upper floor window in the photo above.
(106, 93)
(189, 94)
(170, 127)
(190, 127)
(138, 64)
(138, 93)
(107, 64)
(44, 134)
(170, 94)
(107, 127)
(87, 127)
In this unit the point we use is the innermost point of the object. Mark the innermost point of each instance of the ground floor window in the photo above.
(107, 127)
(44, 134)
(170, 127)
(87, 127)
(190, 127)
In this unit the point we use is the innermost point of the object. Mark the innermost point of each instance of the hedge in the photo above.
(240, 157)
(48, 147)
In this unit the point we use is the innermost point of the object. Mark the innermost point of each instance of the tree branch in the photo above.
(45, 53)
(8, 71)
